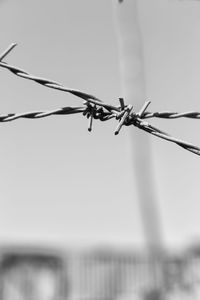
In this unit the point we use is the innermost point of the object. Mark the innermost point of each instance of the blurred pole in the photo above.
(133, 91)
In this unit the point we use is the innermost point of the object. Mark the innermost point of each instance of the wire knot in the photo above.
(94, 111)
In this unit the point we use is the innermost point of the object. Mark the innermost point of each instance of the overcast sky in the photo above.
(63, 185)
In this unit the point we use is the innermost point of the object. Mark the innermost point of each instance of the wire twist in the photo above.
(95, 108)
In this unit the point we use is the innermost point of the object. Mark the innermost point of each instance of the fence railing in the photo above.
(94, 275)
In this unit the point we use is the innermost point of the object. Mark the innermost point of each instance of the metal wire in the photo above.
(94, 108)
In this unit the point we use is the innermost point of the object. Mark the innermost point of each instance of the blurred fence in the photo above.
(27, 274)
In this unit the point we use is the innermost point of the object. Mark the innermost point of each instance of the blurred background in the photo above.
(70, 217)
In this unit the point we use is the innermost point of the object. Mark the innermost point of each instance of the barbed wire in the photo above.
(95, 108)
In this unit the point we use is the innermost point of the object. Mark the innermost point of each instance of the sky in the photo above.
(59, 183)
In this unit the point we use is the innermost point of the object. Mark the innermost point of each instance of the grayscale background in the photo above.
(63, 186)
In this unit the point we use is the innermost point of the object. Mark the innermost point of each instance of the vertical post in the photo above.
(133, 91)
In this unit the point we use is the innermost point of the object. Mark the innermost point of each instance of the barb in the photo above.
(94, 108)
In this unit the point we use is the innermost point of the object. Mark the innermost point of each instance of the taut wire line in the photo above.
(95, 108)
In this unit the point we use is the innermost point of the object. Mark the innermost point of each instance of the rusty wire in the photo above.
(94, 108)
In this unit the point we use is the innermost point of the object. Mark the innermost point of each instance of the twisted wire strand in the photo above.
(48, 83)
(172, 115)
(41, 114)
(94, 108)
(99, 114)
(163, 135)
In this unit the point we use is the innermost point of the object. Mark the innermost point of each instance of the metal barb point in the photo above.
(140, 114)
(122, 104)
(91, 117)
(7, 51)
(123, 119)
(90, 123)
